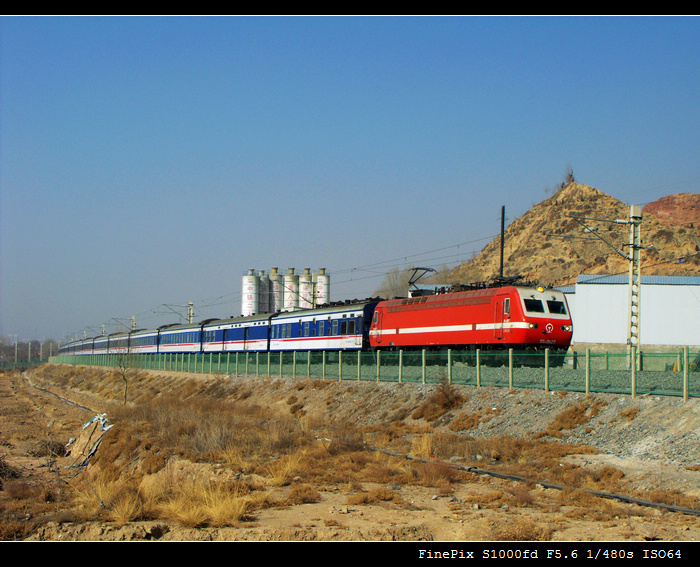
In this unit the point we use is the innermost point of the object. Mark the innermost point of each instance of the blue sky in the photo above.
(151, 161)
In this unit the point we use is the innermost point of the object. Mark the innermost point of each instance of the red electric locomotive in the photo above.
(515, 317)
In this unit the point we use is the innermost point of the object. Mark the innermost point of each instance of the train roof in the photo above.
(471, 293)
(327, 309)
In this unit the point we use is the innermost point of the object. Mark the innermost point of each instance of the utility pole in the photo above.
(503, 222)
(635, 280)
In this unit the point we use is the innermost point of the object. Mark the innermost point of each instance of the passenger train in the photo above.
(487, 318)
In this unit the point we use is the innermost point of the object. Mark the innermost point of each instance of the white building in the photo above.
(669, 310)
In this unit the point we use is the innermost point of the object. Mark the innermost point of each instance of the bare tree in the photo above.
(395, 283)
(126, 368)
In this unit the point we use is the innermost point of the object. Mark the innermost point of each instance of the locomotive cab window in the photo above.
(534, 305)
(556, 307)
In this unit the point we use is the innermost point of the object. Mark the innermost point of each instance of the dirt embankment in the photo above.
(650, 442)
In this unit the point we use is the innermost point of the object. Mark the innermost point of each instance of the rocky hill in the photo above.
(548, 245)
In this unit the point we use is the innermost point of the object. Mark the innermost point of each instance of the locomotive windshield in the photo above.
(556, 307)
(534, 305)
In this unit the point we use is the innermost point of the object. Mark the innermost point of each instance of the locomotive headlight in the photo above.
(533, 325)
(566, 328)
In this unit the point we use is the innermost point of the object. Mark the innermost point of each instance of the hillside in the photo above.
(549, 246)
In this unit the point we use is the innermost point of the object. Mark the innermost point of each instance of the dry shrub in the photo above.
(48, 448)
(283, 471)
(491, 499)
(464, 422)
(630, 413)
(670, 498)
(521, 496)
(93, 497)
(15, 530)
(297, 409)
(571, 417)
(126, 508)
(344, 439)
(438, 444)
(21, 490)
(519, 528)
(443, 399)
(579, 498)
(437, 474)
(303, 494)
(374, 495)
(384, 473)
(422, 446)
(7, 471)
(200, 503)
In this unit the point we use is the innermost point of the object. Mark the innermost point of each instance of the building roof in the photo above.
(604, 279)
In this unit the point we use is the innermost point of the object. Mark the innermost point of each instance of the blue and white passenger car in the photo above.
(185, 338)
(144, 342)
(340, 327)
(237, 334)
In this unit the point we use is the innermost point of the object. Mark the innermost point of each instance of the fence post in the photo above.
(449, 366)
(359, 365)
(685, 373)
(323, 365)
(400, 366)
(379, 355)
(510, 367)
(588, 371)
(478, 367)
(340, 365)
(546, 370)
(423, 365)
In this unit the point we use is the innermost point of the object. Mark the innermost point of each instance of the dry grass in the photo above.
(573, 416)
(374, 495)
(521, 528)
(179, 450)
(445, 398)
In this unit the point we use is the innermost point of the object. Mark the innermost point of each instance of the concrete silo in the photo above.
(323, 287)
(291, 291)
(250, 296)
(276, 291)
(263, 292)
(306, 289)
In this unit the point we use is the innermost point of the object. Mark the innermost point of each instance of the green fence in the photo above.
(669, 374)
(9, 365)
